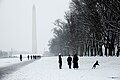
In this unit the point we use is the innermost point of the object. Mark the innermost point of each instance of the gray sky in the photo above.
(16, 22)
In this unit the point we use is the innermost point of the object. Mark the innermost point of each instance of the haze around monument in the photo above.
(16, 22)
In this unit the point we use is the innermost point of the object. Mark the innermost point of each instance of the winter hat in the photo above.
(59, 53)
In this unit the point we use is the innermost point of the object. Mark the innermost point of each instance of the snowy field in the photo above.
(46, 68)
(9, 61)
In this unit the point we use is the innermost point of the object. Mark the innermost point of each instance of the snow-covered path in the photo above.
(13, 67)
(47, 69)
(10, 61)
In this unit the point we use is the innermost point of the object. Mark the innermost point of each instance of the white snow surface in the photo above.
(10, 61)
(47, 68)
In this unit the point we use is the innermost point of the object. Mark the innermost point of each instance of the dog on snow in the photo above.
(95, 64)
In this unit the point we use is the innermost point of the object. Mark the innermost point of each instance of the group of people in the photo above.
(75, 62)
(32, 57)
(69, 60)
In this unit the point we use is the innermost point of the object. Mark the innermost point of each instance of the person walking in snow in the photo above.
(117, 53)
(20, 57)
(31, 56)
(75, 61)
(69, 60)
(60, 61)
(28, 57)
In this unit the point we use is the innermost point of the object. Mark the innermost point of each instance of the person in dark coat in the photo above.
(28, 57)
(60, 61)
(75, 61)
(20, 57)
(118, 53)
(69, 60)
(31, 56)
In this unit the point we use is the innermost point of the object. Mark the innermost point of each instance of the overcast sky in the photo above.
(16, 22)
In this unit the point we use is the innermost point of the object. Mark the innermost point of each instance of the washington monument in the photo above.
(34, 36)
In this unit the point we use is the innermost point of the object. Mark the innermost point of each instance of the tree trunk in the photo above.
(88, 50)
(91, 52)
(106, 51)
(101, 52)
(95, 51)
(85, 49)
(110, 50)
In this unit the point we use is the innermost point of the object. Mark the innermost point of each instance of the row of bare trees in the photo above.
(89, 26)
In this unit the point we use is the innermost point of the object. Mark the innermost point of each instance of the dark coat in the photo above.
(20, 57)
(60, 59)
(69, 59)
(96, 63)
(60, 62)
(75, 61)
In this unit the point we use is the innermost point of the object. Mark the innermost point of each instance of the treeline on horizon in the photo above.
(88, 25)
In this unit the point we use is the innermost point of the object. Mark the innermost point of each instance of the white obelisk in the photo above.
(34, 36)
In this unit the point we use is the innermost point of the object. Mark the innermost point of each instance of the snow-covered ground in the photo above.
(9, 61)
(46, 68)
